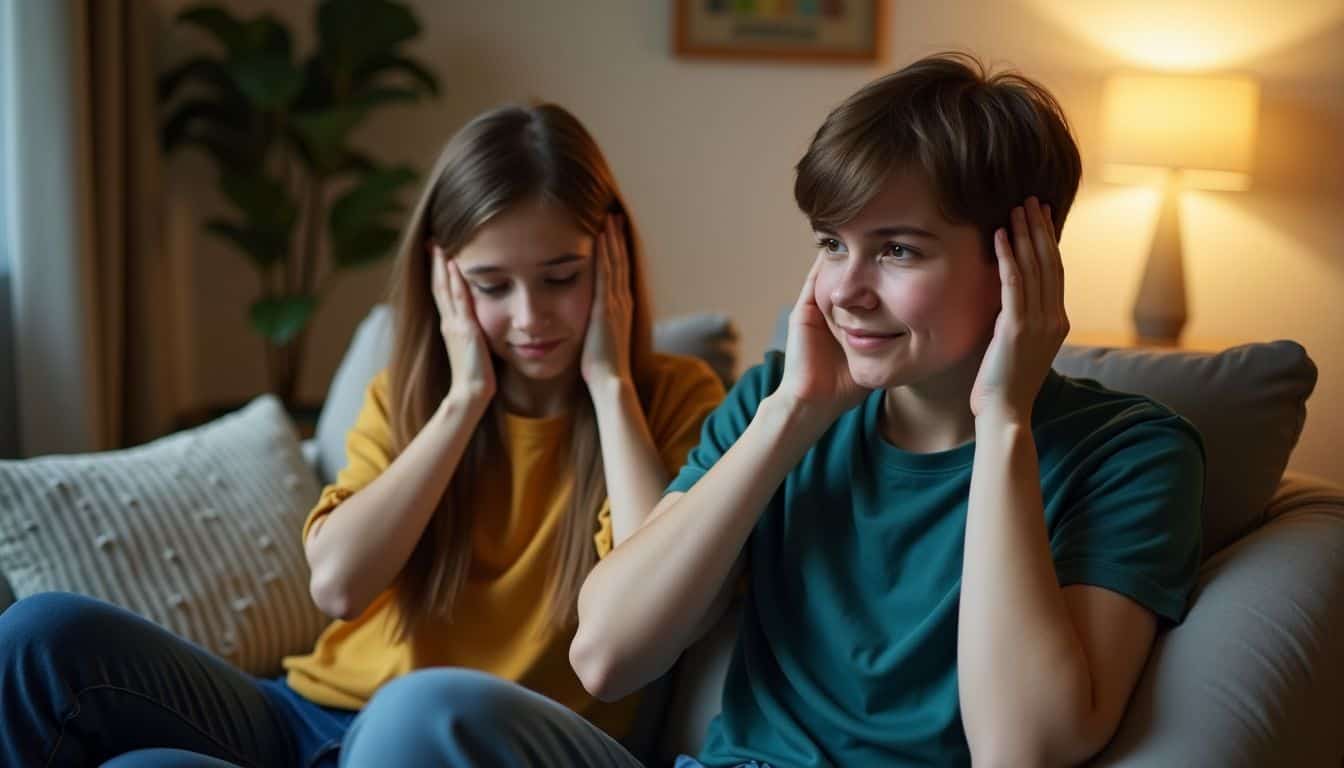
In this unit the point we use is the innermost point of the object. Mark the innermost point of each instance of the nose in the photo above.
(854, 289)
(530, 313)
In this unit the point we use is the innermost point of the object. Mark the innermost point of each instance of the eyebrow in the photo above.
(568, 258)
(892, 231)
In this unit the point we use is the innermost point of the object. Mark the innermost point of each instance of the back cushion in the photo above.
(1249, 403)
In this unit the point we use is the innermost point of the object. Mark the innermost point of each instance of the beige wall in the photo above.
(704, 151)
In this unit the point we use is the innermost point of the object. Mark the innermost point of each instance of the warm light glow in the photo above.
(1148, 175)
(1203, 126)
(1192, 34)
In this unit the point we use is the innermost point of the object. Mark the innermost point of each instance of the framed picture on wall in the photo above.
(802, 30)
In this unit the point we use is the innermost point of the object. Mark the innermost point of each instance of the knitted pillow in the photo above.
(197, 531)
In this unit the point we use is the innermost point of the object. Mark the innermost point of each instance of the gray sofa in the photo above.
(1255, 674)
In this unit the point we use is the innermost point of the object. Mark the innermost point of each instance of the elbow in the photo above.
(1006, 756)
(596, 666)
(1024, 748)
(332, 597)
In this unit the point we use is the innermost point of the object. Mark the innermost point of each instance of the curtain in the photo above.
(93, 325)
(131, 278)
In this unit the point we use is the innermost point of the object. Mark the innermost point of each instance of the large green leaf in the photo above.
(356, 162)
(318, 92)
(385, 64)
(218, 22)
(364, 204)
(264, 201)
(350, 33)
(263, 248)
(266, 34)
(220, 127)
(323, 136)
(202, 70)
(365, 247)
(269, 80)
(280, 320)
(214, 113)
(375, 96)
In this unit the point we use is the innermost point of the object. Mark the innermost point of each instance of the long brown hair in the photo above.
(984, 141)
(502, 158)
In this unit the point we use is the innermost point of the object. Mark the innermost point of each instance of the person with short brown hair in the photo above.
(949, 552)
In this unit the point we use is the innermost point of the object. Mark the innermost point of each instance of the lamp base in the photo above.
(1159, 308)
(1158, 333)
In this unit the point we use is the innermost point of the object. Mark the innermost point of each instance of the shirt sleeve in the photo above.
(683, 392)
(727, 423)
(1134, 526)
(368, 451)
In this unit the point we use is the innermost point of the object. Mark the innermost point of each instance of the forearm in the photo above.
(641, 605)
(355, 553)
(1022, 675)
(633, 469)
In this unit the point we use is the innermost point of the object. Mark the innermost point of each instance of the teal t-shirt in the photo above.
(847, 650)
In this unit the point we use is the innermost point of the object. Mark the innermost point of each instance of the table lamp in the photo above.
(1195, 133)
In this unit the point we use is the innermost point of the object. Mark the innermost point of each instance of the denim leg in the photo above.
(464, 718)
(82, 681)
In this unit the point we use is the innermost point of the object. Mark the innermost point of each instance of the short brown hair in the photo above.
(985, 142)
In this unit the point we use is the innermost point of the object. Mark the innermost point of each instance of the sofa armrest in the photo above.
(1253, 676)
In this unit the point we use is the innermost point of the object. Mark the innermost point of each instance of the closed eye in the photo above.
(491, 289)
(563, 279)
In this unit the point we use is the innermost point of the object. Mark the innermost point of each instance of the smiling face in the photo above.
(908, 294)
(530, 273)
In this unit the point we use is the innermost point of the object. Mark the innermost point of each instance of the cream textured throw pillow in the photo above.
(197, 531)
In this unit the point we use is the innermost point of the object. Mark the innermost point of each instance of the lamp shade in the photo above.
(1202, 126)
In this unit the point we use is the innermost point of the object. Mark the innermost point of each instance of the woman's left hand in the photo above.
(1032, 323)
(606, 346)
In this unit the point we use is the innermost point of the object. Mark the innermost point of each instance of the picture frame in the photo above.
(836, 31)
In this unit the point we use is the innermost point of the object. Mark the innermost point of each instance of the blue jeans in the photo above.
(83, 682)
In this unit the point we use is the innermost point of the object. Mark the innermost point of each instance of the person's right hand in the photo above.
(472, 370)
(816, 373)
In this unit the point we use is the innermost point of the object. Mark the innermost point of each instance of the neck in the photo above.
(537, 398)
(934, 414)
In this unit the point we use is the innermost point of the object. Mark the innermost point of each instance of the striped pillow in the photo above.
(197, 531)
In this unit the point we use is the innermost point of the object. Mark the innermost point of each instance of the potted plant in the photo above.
(305, 205)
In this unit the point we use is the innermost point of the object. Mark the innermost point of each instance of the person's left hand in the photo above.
(606, 346)
(1032, 323)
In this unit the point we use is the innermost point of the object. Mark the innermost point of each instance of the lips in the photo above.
(536, 349)
(865, 334)
(863, 339)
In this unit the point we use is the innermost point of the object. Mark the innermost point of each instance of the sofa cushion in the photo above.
(711, 337)
(1253, 676)
(369, 352)
(1248, 402)
(195, 531)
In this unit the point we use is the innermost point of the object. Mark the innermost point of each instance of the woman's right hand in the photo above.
(473, 371)
(816, 374)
